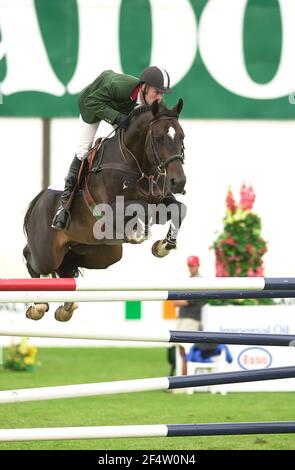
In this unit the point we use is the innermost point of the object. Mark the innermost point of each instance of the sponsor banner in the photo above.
(276, 319)
(254, 358)
(218, 60)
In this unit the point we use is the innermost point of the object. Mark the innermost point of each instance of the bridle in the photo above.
(160, 165)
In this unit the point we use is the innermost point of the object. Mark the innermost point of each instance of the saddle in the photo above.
(93, 163)
(86, 168)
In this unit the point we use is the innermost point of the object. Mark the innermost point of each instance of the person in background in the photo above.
(204, 352)
(189, 311)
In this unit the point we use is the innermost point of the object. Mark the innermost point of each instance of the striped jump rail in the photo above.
(121, 296)
(165, 336)
(143, 385)
(151, 430)
(191, 284)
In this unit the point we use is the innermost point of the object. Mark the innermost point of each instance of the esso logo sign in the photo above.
(254, 358)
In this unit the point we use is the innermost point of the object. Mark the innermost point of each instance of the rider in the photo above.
(111, 97)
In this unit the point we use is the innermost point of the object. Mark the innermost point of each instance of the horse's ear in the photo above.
(155, 107)
(178, 108)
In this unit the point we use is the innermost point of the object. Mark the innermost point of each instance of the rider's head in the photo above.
(154, 82)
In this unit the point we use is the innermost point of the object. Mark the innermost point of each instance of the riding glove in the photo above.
(122, 121)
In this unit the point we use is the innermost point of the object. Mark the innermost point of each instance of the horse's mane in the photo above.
(144, 108)
(163, 111)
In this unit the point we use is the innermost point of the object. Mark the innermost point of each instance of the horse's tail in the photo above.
(29, 212)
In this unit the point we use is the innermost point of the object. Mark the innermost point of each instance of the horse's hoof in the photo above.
(160, 249)
(136, 238)
(37, 311)
(63, 314)
(140, 234)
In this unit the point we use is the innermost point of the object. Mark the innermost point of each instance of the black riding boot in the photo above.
(61, 218)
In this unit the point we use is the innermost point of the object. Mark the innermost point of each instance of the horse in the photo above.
(142, 165)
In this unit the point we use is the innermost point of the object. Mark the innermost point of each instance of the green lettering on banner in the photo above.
(133, 310)
(135, 27)
(59, 26)
(267, 29)
(3, 66)
(233, 70)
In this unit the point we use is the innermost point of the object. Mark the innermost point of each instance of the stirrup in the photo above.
(65, 221)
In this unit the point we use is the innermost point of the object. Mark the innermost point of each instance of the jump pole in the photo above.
(141, 385)
(151, 430)
(120, 296)
(165, 336)
(214, 283)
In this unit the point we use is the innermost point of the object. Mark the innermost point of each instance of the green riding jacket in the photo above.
(107, 96)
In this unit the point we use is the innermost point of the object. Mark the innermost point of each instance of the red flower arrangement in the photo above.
(239, 249)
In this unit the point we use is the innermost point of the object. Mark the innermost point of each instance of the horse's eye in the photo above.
(159, 138)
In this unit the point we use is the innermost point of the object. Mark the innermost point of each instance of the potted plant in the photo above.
(239, 248)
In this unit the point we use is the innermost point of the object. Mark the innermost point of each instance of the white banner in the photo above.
(276, 319)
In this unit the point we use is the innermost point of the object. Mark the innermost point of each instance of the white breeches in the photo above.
(86, 137)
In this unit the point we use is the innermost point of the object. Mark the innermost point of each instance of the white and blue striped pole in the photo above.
(231, 294)
(126, 334)
(145, 295)
(151, 430)
(141, 385)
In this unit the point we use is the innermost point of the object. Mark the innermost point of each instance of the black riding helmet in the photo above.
(157, 78)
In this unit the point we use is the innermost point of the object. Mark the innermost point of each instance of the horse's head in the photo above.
(164, 146)
(154, 139)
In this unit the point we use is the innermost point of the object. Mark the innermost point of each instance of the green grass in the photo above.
(79, 365)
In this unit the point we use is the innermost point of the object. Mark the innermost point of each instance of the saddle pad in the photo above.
(57, 186)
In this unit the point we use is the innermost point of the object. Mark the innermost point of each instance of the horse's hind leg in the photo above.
(90, 257)
(65, 311)
(27, 256)
(37, 310)
(68, 268)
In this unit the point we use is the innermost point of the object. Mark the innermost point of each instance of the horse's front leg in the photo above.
(137, 222)
(176, 212)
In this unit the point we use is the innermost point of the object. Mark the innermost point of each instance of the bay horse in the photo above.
(142, 164)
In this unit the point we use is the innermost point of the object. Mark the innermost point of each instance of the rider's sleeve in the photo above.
(99, 102)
